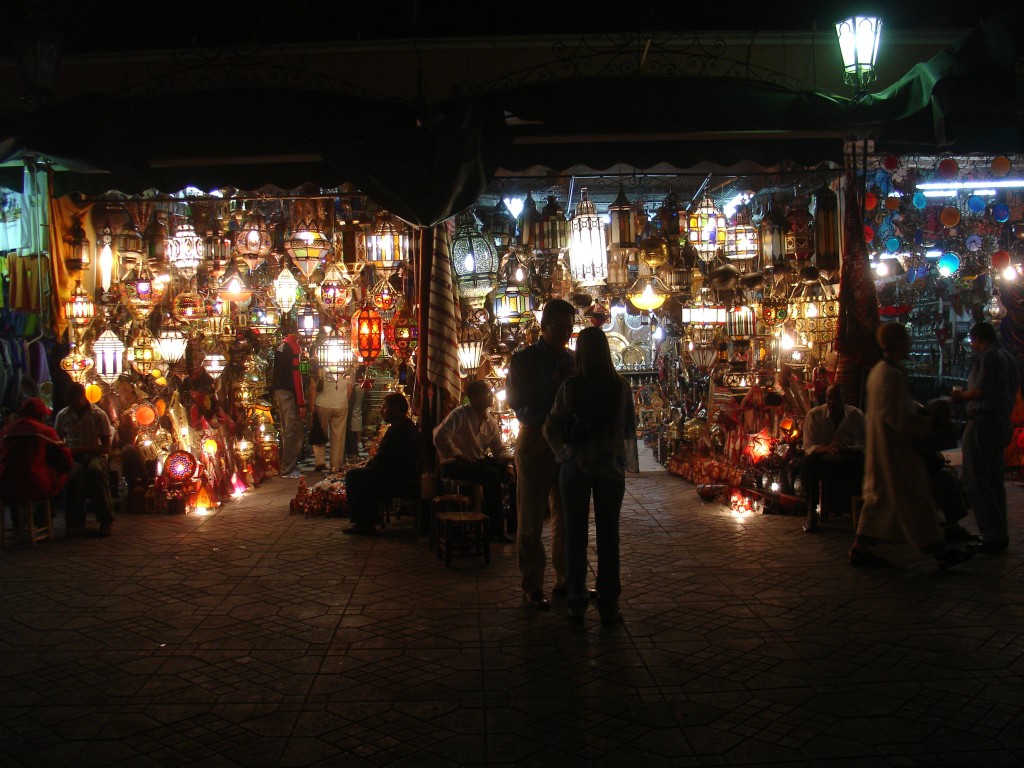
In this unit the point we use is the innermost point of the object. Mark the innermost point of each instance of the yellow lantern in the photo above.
(210, 446)
(93, 393)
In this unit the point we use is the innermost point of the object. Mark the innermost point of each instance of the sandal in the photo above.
(865, 558)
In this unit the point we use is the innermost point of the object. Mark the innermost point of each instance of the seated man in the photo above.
(34, 463)
(463, 440)
(834, 444)
(86, 430)
(394, 470)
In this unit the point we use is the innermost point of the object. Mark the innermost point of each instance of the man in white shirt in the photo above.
(463, 440)
(834, 435)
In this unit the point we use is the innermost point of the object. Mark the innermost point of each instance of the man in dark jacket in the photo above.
(394, 470)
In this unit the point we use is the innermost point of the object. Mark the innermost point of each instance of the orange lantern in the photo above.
(210, 446)
(366, 333)
(143, 414)
(93, 393)
(759, 446)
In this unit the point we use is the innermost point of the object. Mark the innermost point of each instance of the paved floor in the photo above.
(255, 638)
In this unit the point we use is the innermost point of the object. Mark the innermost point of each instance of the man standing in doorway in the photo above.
(534, 376)
(289, 398)
(990, 395)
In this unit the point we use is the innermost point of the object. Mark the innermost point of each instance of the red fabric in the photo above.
(25, 473)
(300, 394)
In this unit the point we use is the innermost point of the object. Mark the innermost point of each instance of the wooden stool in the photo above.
(451, 502)
(461, 534)
(23, 523)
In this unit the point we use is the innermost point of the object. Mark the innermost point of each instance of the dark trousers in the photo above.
(984, 442)
(487, 473)
(363, 489)
(89, 479)
(843, 473)
(576, 488)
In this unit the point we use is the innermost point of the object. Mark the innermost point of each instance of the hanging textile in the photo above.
(443, 321)
(858, 303)
(62, 281)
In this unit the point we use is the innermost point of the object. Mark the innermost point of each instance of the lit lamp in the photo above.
(471, 349)
(79, 309)
(588, 261)
(474, 260)
(707, 230)
(144, 353)
(142, 291)
(335, 289)
(129, 244)
(286, 290)
(188, 307)
(405, 334)
(215, 363)
(185, 249)
(622, 213)
(550, 230)
(772, 234)
(171, 342)
(105, 258)
(253, 241)
(77, 255)
(648, 292)
(366, 333)
(108, 354)
(858, 42)
(263, 318)
(76, 365)
(335, 354)
(529, 220)
(308, 321)
(385, 298)
(233, 288)
(741, 246)
(307, 246)
(387, 246)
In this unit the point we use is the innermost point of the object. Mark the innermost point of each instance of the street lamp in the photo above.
(858, 42)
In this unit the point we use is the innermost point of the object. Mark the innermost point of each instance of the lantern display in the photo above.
(623, 230)
(335, 289)
(707, 230)
(142, 291)
(234, 288)
(108, 354)
(77, 252)
(471, 349)
(335, 354)
(799, 230)
(385, 298)
(253, 241)
(588, 261)
(185, 249)
(188, 307)
(143, 354)
(308, 247)
(79, 309)
(171, 342)
(741, 245)
(550, 230)
(180, 466)
(387, 246)
(286, 290)
(264, 318)
(405, 335)
(215, 362)
(129, 244)
(307, 321)
(367, 329)
(77, 365)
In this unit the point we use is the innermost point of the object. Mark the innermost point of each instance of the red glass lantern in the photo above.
(405, 335)
(366, 333)
(180, 466)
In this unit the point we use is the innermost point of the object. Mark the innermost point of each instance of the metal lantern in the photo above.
(474, 260)
(405, 335)
(471, 349)
(77, 365)
(799, 230)
(263, 317)
(335, 289)
(286, 290)
(623, 230)
(366, 334)
(740, 323)
(648, 293)
(499, 225)
(144, 353)
(234, 288)
(105, 255)
(707, 230)
(215, 362)
(529, 221)
(588, 260)
(772, 234)
(253, 241)
(335, 354)
(188, 307)
(741, 245)
(385, 298)
(308, 321)
(308, 247)
(551, 230)
(129, 244)
(185, 249)
(108, 355)
(826, 230)
(387, 245)
(142, 291)
(171, 342)
(77, 256)
(79, 309)
(672, 220)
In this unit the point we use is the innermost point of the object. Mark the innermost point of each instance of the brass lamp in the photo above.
(474, 261)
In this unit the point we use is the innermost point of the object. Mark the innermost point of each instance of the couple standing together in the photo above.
(577, 439)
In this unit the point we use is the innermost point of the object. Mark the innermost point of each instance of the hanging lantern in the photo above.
(335, 289)
(215, 363)
(234, 288)
(648, 293)
(77, 254)
(740, 323)
(93, 393)
(108, 354)
(994, 310)
(264, 318)
(335, 354)
(588, 260)
(707, 230)
(105, 257)
(511, 307)
(76, 365)
(858, 43)
(286, 290)
(366, 334)
(799, 230)
(79, 309)
(529, 221)
(551, 230)
(188, 307)
(741, 246)
(142, 292)
(405, 333)
(385, 298)
(387, 246)
(623, 230)
(499, 225)
(308, 321)
(308, 247)
(129, 244)
(474, 261)
(672, 221)
(253, 241)
(772, 234)
(171, 342)
(471, 349)
(143, 354)
(180, 467)
(185, 249)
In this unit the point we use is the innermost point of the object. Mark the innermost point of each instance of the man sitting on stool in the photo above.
(834, 444)
(463, 440)
(86, 430)
(393, 471)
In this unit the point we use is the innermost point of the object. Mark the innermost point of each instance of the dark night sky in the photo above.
(114, 25)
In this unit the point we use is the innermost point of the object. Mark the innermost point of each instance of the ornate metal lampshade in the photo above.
(79, 309)
(108, 355)
(707, 230)
(185, 249)
(253, 241)
(142, 291)
(335, 354)
(77, 254)
(387, 246)
(471, 349)
(286, 290)
(77, 365)
(588, 259)
(234, 288)
(143, 354)
(741, 243)
(171, 342)
(858, 42)
(551, 230)
(308, 321)
(307, 246)
(335, 289)
(474, 261)
(367, 329)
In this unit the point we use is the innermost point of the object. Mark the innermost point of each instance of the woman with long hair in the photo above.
(592, 431)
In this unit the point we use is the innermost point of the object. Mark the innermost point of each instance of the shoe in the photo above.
(592, 594)
(536, 600)
(865, 558)
(811, 527)
(988, 547)
(952, 558)
(611, 619)
(360, 529)
(320, 468)
(293, 475)
(959, 533)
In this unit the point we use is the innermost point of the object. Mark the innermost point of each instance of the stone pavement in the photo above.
(255, 638)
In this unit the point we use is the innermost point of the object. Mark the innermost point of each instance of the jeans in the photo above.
(576, 487)
(291, 430)
(984, 465)
(89, 478)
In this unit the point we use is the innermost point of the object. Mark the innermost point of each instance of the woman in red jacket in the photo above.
(34, 461)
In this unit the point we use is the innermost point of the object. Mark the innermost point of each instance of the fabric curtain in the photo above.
(62, 211)
(443, 321)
